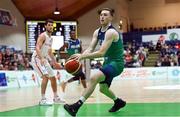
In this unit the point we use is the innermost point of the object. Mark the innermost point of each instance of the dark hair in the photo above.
(107, 9)
(49, 21)
(71, 31)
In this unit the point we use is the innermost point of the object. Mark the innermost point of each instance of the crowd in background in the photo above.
(169, 54)
(153, 28)
(11, 59)
(135, 55)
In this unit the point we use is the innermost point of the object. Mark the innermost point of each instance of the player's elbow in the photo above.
(101, 53)
(38, 48)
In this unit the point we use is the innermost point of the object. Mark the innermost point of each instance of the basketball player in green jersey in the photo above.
(111, 48)
(73, 47)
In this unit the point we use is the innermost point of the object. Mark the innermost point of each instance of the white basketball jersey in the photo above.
(45, 47)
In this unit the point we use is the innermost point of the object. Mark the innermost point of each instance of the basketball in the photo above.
(73, 66)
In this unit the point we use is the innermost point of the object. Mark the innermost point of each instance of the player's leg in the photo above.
(118, 103)
(41, 71)
(84, 84)
(75, 78)
(94, 80)
(110, 72)
(44, 86)
(64, 84)
(83, 80)
(44, 101)
(53, 83)
(106, 91)
(56, 99)
(97, 77)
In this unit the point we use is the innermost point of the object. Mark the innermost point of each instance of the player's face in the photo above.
(105, 17)
(49, 27)
(73, 34)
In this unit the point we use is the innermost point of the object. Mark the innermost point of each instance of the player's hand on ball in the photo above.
(75, 56)
(57, 65)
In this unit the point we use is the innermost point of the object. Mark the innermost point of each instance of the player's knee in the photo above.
(45, 79)
(52, 79)
(93, 80)
(44, 76)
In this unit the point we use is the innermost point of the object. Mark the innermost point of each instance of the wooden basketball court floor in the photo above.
(145, 97)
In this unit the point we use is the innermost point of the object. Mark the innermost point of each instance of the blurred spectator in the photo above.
(13, 60)
(158, 63)
(15, 66)
(166, 61)
(128, 59)
(178, 56)
(151, 46)
(21, 65)
(1, 65)
(8, 56)
(158, 45)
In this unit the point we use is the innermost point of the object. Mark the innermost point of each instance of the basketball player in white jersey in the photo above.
(40, 62)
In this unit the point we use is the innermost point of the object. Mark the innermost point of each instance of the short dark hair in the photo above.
(107, 9)
(49, 21)
(72, 31)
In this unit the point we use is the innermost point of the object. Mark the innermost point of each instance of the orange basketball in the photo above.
(73, 66)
